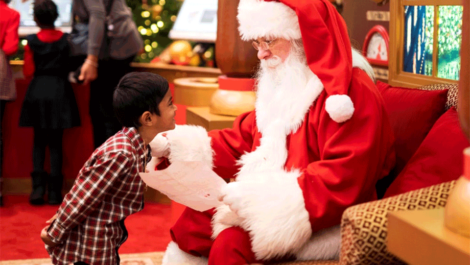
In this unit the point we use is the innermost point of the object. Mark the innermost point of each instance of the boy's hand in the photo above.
(160, 146)
(46, 239)
(44, 236)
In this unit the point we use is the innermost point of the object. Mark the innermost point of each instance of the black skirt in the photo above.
(49, 104)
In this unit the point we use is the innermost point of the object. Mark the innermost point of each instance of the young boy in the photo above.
(89, 227)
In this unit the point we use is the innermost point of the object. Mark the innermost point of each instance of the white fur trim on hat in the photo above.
(175, 256)
(258, 18)
(340, 107)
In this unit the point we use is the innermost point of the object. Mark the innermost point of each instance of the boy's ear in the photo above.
(146, 118)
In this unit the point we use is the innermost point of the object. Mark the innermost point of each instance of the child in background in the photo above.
(89, 225)
(9, 23)
(49, 105)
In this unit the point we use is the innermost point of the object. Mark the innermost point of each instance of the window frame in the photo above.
(398, 77)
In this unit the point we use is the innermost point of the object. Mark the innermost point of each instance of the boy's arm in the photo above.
(88, 192)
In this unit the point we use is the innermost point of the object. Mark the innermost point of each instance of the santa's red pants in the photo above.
(192, 232)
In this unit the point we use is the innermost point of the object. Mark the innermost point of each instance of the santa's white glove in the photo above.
(160, 146)
(234, 195)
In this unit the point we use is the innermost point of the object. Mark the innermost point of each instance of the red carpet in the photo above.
(21, 223)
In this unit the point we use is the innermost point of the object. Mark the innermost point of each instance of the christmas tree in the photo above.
(154, 20)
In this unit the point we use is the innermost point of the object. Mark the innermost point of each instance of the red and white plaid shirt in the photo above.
(90, 221)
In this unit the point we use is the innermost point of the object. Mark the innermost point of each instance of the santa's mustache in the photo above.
(272, 62)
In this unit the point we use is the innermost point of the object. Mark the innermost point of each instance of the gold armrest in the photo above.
(364, 226)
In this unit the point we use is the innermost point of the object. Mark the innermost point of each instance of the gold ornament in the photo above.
(181, 52)
(156, 10)
(195, 60)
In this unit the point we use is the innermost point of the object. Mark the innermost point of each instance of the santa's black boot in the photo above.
(54, 189)
(39, 187)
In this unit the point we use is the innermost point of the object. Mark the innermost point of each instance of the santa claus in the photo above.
(317, 142)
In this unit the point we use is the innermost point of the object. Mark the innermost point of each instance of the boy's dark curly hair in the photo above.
(45, 12)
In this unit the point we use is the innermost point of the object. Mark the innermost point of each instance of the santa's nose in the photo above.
(263, 54)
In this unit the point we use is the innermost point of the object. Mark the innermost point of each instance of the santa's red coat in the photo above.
(327, 167)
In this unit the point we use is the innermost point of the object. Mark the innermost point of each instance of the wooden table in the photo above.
(201, 116)
(420, 237)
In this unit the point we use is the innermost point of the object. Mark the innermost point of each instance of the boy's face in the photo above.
(166, 120)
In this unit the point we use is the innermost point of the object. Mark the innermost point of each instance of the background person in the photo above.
(49, 105)
(113, 43)
(9, 23)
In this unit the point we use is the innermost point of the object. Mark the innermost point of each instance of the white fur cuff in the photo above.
(190, 143)
(274, 214)
(159, 146)
(340, 107)
(224, 218)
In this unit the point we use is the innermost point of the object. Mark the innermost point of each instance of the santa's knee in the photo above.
(232, 246)
(192, 232)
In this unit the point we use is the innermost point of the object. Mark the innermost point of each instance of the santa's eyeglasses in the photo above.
(264, 45)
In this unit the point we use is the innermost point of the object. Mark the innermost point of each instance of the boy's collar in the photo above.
(135, 137)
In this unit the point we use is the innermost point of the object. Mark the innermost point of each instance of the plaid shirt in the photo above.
(90, 221)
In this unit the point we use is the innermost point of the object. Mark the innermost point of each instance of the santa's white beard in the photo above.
(279, 85)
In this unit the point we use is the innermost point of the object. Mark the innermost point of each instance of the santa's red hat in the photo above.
(324, 35)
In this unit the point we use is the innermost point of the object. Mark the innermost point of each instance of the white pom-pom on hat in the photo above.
(340, 107)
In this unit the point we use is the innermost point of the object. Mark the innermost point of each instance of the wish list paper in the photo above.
(190, 183)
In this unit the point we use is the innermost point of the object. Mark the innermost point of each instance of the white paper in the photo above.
(190, 183)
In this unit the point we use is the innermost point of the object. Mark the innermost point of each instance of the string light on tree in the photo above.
(154, 19)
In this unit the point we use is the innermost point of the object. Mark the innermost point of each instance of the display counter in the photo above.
(171, 72)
